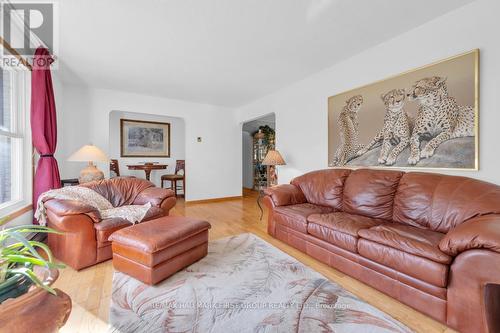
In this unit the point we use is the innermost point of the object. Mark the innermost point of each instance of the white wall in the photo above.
(247, 159)
(213, 166)
(177, 144)
(73, 126)
(301, 109)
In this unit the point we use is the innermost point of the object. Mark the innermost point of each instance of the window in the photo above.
(15, 173)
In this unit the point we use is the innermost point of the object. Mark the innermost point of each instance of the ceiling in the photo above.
(223, 52)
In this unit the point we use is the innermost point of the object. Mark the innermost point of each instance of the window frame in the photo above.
(22, 152)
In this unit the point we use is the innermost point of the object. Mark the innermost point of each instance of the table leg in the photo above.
(148, 173)
(259, 204)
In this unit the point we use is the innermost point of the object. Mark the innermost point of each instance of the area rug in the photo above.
(243, 285)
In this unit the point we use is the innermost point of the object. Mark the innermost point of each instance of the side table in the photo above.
(69, 182)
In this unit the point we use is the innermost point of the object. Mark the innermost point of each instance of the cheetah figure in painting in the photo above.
(348, 131)
(396, 130)
(439, 117)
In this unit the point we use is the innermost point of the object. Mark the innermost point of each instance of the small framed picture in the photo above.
(144, 138)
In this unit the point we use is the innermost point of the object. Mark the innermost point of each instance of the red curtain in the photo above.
(43, 125)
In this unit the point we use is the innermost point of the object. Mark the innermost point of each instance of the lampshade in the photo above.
(88, 153)
(273, 157)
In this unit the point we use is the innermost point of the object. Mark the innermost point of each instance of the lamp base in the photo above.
(90, 174)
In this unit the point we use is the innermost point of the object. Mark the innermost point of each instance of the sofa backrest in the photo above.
(120, 191)
(440, 202)
(371, 192)
(323, 187)
(425, 200)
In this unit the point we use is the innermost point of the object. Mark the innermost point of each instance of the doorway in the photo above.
(258, 136)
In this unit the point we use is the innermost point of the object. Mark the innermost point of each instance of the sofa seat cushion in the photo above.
(340, 229)
(420, 268)
(295, 216)
(106, 227)
(416, 241)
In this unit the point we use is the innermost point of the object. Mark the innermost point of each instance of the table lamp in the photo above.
(89, 153)
(272, 159)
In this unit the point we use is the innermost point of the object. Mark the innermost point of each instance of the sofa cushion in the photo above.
(441, 202)
(416, 241)
(323, 187)
(295, 216)
(106, 227)
(340, 229)
(120, 191)
(418, 267)
(371, 192)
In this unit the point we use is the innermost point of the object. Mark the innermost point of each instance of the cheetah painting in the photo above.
(424, 118)
(439, 117)
(348, 131)
(395, 133)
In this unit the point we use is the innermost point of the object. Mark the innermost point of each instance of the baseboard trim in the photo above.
(214, 200)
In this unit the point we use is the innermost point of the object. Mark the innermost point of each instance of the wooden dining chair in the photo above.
(180, 175)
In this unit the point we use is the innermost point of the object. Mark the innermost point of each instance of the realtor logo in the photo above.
(25, 26)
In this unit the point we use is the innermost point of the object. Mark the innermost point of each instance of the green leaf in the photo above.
(4, 220)
(3, 271)
(26, 243)
(24, 259)
(33, 228)
(32, 276)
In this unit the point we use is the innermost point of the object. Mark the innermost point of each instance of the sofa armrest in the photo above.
(72, 207)
(285, 194)
(153, 195)
(481, 232)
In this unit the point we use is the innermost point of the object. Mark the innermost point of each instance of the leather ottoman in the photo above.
(154, 250)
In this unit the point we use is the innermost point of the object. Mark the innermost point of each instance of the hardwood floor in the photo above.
(90, 289)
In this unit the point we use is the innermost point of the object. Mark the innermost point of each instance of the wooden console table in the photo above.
(147, 167)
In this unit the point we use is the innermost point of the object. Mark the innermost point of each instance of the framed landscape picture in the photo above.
(424, 118)
(144, 138)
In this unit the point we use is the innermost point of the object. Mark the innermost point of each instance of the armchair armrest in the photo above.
(72, 207)
(481, 232)
(153, 195)
(285, 194)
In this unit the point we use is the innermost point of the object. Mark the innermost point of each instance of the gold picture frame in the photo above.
(356, 118)
(140, 138)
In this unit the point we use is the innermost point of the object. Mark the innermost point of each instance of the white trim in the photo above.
(21, 168)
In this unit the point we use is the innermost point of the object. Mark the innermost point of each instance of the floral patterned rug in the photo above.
(243, 285)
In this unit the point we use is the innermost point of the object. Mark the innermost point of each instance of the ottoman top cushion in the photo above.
(156, 235)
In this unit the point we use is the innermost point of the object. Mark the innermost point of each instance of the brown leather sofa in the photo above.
(84, 239)
(429, 240)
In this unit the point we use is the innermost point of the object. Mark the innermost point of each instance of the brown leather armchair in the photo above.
(431, 241)
(84, 239)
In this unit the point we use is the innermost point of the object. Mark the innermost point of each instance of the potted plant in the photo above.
(22, 263)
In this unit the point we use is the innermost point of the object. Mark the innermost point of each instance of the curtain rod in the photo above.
(16, 54)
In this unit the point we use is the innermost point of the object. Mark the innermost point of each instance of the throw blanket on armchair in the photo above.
(132, 213)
